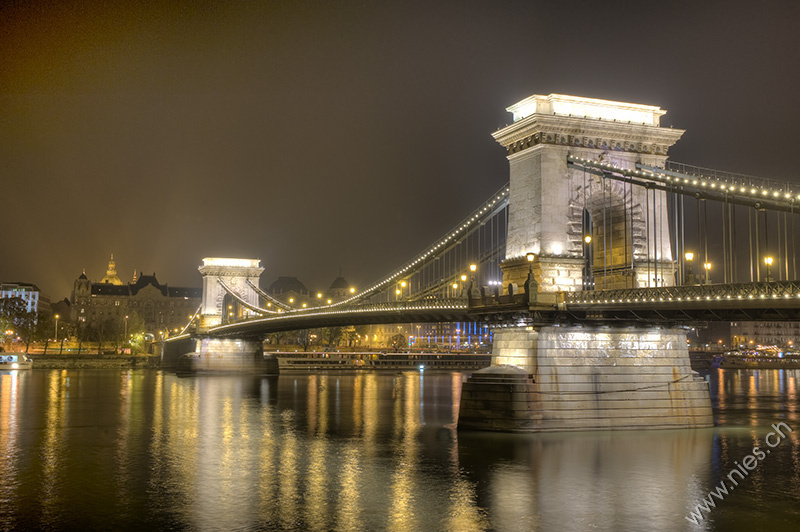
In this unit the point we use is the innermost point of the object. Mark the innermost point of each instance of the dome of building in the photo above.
(339, 284)
(287, 284)
(111, 273)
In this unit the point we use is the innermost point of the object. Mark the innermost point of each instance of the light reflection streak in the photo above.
(266, 477)
(348, 507)
(402, 514)
(288, 473)
(9, 394)
(316, 507)
(752, 398)
(52, 446)
(124, 416)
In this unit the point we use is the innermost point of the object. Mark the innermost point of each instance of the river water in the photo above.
(145, 449)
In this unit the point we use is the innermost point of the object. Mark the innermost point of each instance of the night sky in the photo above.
(324, 135)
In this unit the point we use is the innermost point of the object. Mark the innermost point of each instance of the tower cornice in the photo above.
(572, 131)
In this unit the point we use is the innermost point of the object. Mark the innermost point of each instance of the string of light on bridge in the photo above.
(703, 182)
(364, 309)
(497, 201)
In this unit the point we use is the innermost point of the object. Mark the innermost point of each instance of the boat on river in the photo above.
(755, 360)
(378, 361)
(10, 361)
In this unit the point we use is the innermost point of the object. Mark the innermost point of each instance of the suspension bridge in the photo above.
(589, 265)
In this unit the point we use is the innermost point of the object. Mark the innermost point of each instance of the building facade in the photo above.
(752, 334)
(163, 309)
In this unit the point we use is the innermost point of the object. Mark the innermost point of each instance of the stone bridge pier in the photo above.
(585, 376)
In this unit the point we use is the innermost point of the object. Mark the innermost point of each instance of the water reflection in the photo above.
(363, 452)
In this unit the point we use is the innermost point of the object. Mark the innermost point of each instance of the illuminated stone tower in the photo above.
(630, 241)
(595, 375)
(234, 273)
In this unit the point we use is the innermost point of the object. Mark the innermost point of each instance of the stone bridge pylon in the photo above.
(218, 305)
(572, 231)
(228, 296)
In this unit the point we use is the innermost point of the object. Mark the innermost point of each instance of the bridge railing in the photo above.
(687, 293)
(394, 306)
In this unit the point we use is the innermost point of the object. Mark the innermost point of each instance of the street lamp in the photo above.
(126, 326)
(587, 239)
(707, 268)
(530, 257)
(689, 256)
(57, 316)
(768, 261)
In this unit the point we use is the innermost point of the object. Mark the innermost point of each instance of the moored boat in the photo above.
(10, 361)
(372, 360)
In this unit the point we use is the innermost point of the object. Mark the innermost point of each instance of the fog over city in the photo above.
(321, 136)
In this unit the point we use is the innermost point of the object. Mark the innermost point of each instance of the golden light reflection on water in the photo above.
(288, 475)
(316, 504)
(9, 406)
(372, 451)
(402, 516)
(52, 445)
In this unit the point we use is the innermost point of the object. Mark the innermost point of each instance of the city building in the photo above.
(751, 334)
(290, 291)
(163, 309)
(35, 302)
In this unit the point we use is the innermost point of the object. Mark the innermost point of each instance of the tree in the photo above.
(278, 338)
(350, 335)
(333, 335)
(11, 310)
(103, 330)
(83, 332)
(135, 332)
(397, 342)
(304, 339)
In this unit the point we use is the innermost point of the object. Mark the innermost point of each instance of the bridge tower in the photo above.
(218, 306)
(630, 242)
(597, 374)
(205, 353)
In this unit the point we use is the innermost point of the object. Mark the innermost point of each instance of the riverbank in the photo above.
(108, 361)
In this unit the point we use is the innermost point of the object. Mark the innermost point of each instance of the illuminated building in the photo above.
(161, 307)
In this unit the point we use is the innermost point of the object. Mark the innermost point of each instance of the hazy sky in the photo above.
(325, 135)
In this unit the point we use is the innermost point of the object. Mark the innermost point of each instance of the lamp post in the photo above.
(126, 328)
(768, 261)
(57, 316)
(707, 268)
(689, 256)
(587, 261)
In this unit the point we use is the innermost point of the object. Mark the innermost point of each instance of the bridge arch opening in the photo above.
(622, 232)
